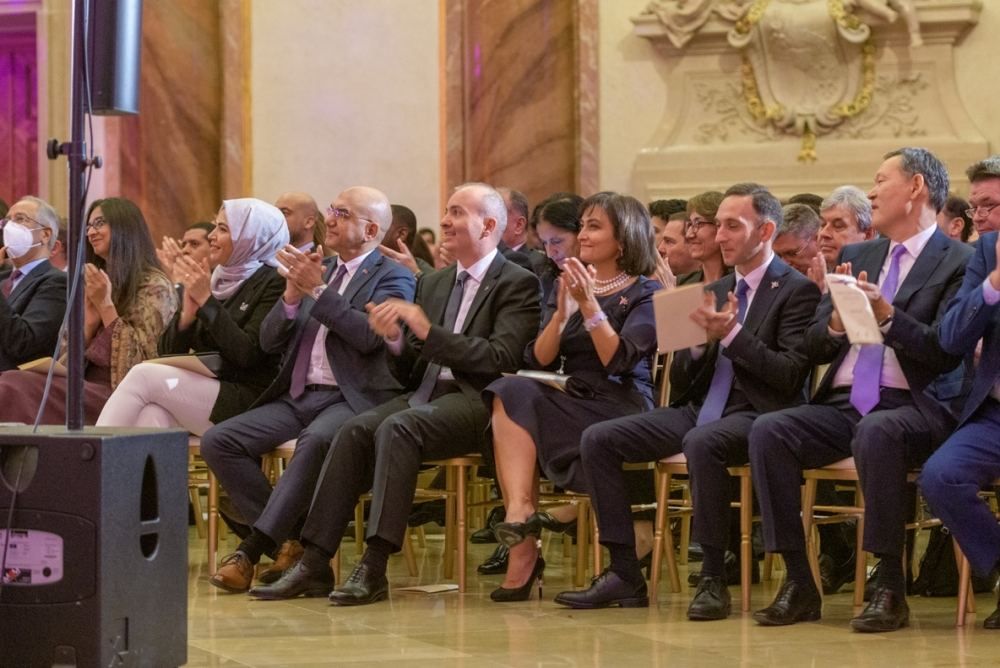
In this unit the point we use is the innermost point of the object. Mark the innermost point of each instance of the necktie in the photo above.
(722, 379)
(304, 352)
(423, 393)
(868, 367)
(8, 285)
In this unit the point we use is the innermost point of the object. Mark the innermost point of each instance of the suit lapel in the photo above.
(364, 274)
(922, 269)
(33, 276)
(871, 259)
(439, 302)
(767, 290)
(489, 281)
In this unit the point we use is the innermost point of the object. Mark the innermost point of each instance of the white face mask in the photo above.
(17, 239)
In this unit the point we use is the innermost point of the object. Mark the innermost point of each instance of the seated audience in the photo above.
(58, 257)
(847, 219)
(699, 232)
(194, 245)
(333, 368)
(33, 296)
(514, 246)
(879, 403)
(558, 227)
(984, 195)
(404, 245)
(469, 325)
(128, 301)
(812, 200)
(304, 219)
(954, 219)
(969, 460)
(753, 364)
(670, 241)
(795, 241)
(221, 312)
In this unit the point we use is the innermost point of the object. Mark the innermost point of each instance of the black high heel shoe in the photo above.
(522, 593)
(544, 520)
(514, 533)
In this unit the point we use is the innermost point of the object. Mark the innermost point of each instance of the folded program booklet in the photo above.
(43, 365)
(550, 378)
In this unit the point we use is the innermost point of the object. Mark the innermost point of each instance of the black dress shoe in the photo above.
(887, 611)
(362, 587)
(711, 600)
(546, 521)
(496, 563)
(795, 602)
(993, 621)
(296, 581)
(522, 593)
(485, 535)
(732, 572)
(607, 590)
(833, 576)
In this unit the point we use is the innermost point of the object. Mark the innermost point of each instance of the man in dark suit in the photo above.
(754, 320)
(970, 459)
(33, 296)
(470, 323)
(333, 368)
(513, 245)
(885, 405)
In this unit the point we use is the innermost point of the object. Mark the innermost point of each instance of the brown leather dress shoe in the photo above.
(234, 575)
(291, 551)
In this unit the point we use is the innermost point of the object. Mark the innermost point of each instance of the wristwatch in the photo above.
(318, 290)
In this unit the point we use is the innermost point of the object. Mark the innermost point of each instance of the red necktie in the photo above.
(8, 285)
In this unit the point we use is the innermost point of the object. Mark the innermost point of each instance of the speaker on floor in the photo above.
(114, 55)
(96, 558)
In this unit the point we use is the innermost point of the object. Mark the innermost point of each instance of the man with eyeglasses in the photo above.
(333, 368)
(888, 405)
(33, 295)
(984, 195)
(795, 241)
(469, 324)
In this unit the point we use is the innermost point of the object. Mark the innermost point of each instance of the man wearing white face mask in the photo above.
(33, 296)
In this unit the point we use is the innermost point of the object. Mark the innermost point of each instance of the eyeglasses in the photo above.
(340, 213)
(694, 225)
(96, 224)
(983, 209)
(20, 219)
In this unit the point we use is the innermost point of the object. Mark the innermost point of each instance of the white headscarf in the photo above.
(258, 231)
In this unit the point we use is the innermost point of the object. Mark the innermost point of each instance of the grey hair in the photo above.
(853, 198)
(46, 216)
(984, 169)
(492, 204)
(800, 220)
(915, 160)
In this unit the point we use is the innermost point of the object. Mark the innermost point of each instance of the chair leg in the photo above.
(411, 560)
(746, 540)
(685, 546)
(449, 523)
(213, 521)
(595, 542)
(582, 531)
(767, 569)
(662, 480)
(860, 562)
(359, 527)
(461, 475)
(964, 586)
(808, 526)
(335, 567)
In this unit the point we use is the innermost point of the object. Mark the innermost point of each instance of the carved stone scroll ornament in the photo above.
(808, 65)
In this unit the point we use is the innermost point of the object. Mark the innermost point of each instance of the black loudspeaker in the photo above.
(96, 569)
(116, 41)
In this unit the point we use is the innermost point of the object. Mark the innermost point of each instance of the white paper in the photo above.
(674, 328)
(429, 589)
(550, 378)
(854, 308)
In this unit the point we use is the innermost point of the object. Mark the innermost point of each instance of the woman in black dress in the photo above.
(599, 330)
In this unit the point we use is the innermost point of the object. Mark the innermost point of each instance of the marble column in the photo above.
(521, 94)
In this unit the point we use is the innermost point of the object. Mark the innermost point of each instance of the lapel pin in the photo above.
(244, 306)
(774, 285)
(623, 301)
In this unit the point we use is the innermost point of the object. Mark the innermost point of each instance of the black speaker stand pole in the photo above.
(76, 153)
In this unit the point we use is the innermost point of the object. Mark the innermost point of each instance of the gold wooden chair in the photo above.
(966, 597)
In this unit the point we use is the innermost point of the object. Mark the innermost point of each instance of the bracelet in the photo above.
(593, 321)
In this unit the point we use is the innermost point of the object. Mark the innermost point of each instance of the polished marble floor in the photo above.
(469, 630)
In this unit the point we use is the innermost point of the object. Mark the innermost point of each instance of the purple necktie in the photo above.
(722, 379)
(302, 355)
(8, 285)
(423, 392)
(868, 367)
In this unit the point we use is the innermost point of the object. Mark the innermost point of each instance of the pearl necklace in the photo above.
(611, 285)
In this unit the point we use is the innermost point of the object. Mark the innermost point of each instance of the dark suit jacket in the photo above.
(920, 303)
(356, 354)
(232, 328)
(503, 317)
(969, 318)
(769, 364)
(31, 315)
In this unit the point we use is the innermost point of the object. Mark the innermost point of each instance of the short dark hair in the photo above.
(4, 208)
(984, 169)
(955, 207)
(705, 204)
(765, 204)
(536, 212)
(633, 230)
(406, 218)
(518, 201)
(916, 160)
(811, 200)
(664, 208)
(429, 230)
(203, 225)
(563, 213)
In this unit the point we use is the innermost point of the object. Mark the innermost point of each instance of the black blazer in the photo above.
(232, 328)
(503, 317)
(355, 352)
(769, 364)
(920, 304)
(31, 315)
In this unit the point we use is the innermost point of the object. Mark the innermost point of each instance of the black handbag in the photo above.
(938, 575)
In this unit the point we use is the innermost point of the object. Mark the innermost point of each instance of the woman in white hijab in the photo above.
(221, 312)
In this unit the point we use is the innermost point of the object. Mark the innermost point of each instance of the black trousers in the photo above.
(659, 433)
(381, 450)
(885, 444)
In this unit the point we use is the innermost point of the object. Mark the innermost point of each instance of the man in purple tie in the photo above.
(754, 319)
(887, 405)
(333, 368)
